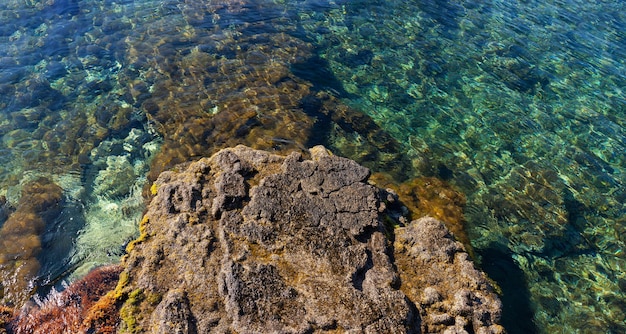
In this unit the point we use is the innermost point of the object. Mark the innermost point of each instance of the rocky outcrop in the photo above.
(438, 276)
(250, 242)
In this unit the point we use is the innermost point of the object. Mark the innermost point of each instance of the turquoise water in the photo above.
(521, 105)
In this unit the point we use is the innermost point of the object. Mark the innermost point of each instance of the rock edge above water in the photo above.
(251, 242)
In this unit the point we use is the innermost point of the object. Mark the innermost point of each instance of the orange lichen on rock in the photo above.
(76, 309)
(103, 316)
(430, 196)
(20, 239)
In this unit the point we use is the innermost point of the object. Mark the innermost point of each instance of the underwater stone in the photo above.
(116, 180)
(20, 240)
(12, 75)
(55, 70)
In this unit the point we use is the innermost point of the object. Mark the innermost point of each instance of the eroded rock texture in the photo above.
(437, 274)
(250, 242)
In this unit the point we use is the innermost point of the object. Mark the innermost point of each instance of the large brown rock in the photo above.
(250, 242)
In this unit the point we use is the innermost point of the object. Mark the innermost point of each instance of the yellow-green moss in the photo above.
(142, 227)
(130, 312)
(143, 235)
(154, 189)
(121, 284)
(153, 298)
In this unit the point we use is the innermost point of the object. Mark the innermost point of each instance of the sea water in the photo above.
(521, 105)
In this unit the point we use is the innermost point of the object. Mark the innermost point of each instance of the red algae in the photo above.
(103, 316)
(80, 307)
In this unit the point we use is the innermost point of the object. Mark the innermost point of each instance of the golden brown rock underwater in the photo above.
(20, 240)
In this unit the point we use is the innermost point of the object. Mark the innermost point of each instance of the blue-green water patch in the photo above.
(522, 106)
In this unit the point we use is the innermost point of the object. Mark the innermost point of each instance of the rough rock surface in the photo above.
(438, 276)
(250, 242)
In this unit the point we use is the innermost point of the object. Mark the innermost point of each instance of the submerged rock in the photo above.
(20, 242)
(251, 242)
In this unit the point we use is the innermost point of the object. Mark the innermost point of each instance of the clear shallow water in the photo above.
(518, 104)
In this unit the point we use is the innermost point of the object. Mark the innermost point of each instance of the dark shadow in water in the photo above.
(446, 13)
(65, 7)
(323, 122)
(575, 210)
(379, 151)
(317, 71)
(517, 312)
(444, 173)
(570, 242)
(5, 210)
(57, 243)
